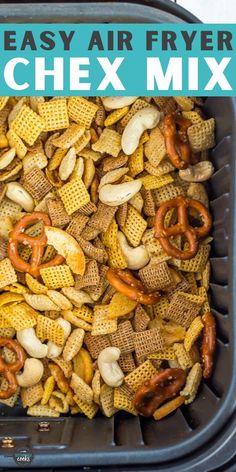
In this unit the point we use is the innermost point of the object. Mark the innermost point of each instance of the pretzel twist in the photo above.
(208, 343)
(124, 282)
(159, 388)
(9, 370)
(37, 243)
(182, 227)
(176, 141)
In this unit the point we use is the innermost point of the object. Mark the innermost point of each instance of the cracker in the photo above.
(28, 125)
(31, 395)
(57, 213)
(36, 183)
(82, 390)
(202, 135)
(74, 195)
(50, 330)
(107, 400)
(69, 137)
(109, 142)
(156, 276)
(89, 410)
(183, 357)
(73, 344)
(134, 226)
(144, 372)
(96, 344)
(120, 305)
(101, 323)
(7, 273)
(136, 161)
(57, 277)
(54, 113)
(81, 111)
(155, 149)
(181, 310)
(123, 338)
(192, 383)
(91, 276)
(148, 342)
(141, 319)
(103, 216)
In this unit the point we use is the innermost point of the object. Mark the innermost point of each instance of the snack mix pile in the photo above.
(104, 248)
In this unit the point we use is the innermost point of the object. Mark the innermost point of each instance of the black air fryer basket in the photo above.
(201, 436)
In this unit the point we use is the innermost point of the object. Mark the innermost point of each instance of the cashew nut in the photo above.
(136, 257)
(32, 373)
(7, 157)
(198, 173)
(29, 341)
(109, 367)
(18, 194)
(53, 349)
(118, 194)
(67, 164)
(147, 118)
(112, 103)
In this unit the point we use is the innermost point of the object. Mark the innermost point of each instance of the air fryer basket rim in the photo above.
(226, 132)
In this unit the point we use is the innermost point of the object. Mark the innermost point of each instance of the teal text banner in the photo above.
(118, 59)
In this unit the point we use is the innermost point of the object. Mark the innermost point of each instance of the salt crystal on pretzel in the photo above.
(141, 319)
(57, 213)
(194, 378)
(157, 276)
(74, 195)
(36, 183)
(136, 161)
(181, 310)
(109, 142)
(69, 137)
(134, 226)
(31, 395)
(54, 113)
(101, 323)
(142, 373)
(81, 111)
(201, 136)
(148, 342)
(28, 125)
(123, 338)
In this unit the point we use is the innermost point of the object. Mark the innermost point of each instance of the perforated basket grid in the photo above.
(193, 430)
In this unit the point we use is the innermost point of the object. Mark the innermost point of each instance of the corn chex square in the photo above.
(134, 227)
(101, 323)
(74, 195)
(109, 141)
(57, 277)
(7, 273)
(81, 111)
(144, 372)
(28, 125)
(54, 113)
(50, 330)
